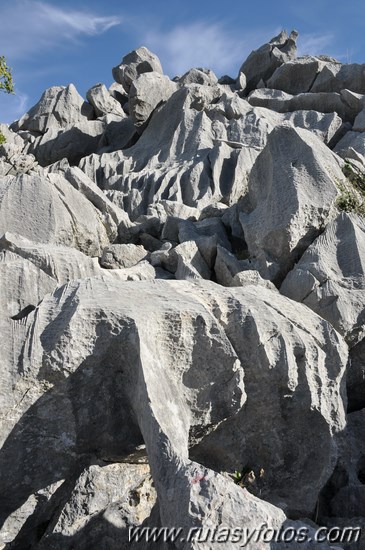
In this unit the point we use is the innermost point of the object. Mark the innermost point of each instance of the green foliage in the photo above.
(6, 78)
(237, 477)
(352, 196)
(354, 176)
(347, 202)
(6, 84)
(248, 478)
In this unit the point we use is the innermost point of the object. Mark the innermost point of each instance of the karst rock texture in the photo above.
(182, 310)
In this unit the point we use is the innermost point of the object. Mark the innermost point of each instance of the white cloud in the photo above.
(29, 26)
(315, 44)
(202, 44)
(13, 107)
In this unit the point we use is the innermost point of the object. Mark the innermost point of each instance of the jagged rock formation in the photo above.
(182, 276)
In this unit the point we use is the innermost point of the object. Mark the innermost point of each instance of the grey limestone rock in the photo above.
(135, 63)
(336, 77)
(262, 63)
(329, 277)
(25, 284)
(181, 300)
(227, 266)
(47, 210)
(73, 142)
(58, 107)
(148, 91)
(359, 122)
(106, 500)
(12, 158)
(297, 76)
(133, 374)
(119, 133)
(292, 194)
(118, 256)
(351, 141)
(103, 102)
(356, 377)
(119, 93)
(189, 262)
(205, 77)
(326, 102)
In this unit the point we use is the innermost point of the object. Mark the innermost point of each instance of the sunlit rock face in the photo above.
(182, 303)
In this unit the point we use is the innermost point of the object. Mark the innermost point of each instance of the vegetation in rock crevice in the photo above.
(352, 194)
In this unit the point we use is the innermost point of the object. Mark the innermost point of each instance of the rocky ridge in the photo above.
(182, 306)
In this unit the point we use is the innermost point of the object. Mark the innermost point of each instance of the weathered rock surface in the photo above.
(282, 102)
(135, 63)
(148, 91)
(181, 299)
(46, 210)
(261, 63)
(356, 377)
(102, 101)
(351, 140)
(12, 158)
(336, 77)
(58, 107)
(122, 255)
(63, 365)
(199, 76)
(329, 277)
(297, 76)
(291, 197)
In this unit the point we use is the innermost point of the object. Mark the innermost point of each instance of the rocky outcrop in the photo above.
(135, 63)
(182, 306)
(148, 91)
(291, 197)
(329, 278)
(212, 403)
(261, 63)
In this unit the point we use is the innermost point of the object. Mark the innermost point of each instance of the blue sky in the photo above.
(53, 42)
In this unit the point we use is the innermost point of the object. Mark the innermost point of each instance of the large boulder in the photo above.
(336, 77)
(148, 91)
(351, 140)
(24, 284)
(205, 77)
(13, 159)
(262, 63)
(297, 76)
(72, 142)
(135, 63)
(118, 256)
(291, 197)
(283, 102)
(59, 107)
(61, 125)
(103, 102)
(46, 209)
(329, 277)
(88, 356)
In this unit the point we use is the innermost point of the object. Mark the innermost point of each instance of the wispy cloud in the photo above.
(29, 26)
(13, 106)
(203, 44)
(315, 44)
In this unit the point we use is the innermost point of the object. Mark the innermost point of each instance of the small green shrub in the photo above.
(352, 194)
(6, 78)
